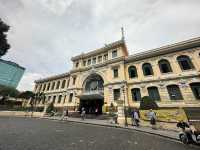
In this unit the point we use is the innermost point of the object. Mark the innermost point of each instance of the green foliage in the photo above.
(26, 95)
(4, 46)
(8, 91)
(148, 103)
(50, 108)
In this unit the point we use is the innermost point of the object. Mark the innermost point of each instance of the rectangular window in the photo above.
(99, 59)
(70, 97)
(116, 94)
(94, 60)
(105, 57)
(89, 62)
(114, 54)
(115, 72)
(74, 80)
(84, 63)
(77, 64)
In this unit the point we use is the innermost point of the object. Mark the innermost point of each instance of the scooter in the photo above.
(188, 136)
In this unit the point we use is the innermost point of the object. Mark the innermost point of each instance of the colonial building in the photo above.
(170, 75)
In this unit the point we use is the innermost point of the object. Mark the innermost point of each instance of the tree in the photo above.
(26, 95)
(8, 91)
(37, 97)
(148, 103)
(4, 46)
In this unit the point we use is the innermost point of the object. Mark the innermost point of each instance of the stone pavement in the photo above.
(164, 133)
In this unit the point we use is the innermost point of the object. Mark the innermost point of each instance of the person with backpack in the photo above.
(152, 117)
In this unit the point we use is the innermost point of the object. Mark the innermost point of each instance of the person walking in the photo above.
(63, 115)
(152, 117)
(83, 113)
(135, 118)
(96, 111)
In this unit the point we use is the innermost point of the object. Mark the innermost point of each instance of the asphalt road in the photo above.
(38, 134)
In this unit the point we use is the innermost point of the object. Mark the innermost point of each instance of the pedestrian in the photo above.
(67, 114)
(63, 115)
(152, 117)
(135, 118)
(96, 111)
(83, 113)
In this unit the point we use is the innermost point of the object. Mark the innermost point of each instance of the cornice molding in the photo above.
(166, 79)
(180, 46)
(100, 50)
(55, 77)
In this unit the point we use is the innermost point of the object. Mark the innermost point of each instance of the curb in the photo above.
(121, 127)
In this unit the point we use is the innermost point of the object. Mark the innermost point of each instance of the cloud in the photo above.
(45, 34)
(27, 81)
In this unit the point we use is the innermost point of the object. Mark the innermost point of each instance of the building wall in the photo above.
(179, 77)
(10, 74)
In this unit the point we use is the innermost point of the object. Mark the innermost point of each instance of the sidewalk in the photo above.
(164, 133)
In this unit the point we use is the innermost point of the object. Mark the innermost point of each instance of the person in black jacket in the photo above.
(181, 124)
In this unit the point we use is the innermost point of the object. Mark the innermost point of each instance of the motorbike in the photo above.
(189, 133)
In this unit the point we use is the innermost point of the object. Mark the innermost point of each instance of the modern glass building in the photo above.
(10, 73)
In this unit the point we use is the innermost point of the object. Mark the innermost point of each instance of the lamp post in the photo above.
(124, 101)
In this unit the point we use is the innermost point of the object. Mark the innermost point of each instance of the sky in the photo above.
(45, 34)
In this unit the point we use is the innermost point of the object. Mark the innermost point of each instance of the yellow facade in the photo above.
(178, 86)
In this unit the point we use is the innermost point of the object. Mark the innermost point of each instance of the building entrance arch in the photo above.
(92, 98)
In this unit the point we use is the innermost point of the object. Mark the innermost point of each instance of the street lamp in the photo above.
(124, 101)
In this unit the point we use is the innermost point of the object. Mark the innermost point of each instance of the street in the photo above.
(40, 134)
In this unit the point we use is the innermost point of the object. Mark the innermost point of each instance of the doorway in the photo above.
(91, 105)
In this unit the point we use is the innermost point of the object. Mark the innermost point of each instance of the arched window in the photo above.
(58, 85)
(40, 88)
(185, 62)
(63, 84)
(196, 89)
(147, 69)
(174, 92)
(54, 99)
(53, 85)
(43, 100)
(132, 71)
(136, 95)
(153, 93)
(68, 81)
(48, 86)
(164, 66)
(59, 98)
(44, 87)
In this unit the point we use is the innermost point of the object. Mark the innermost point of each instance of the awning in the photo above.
(91, 96)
